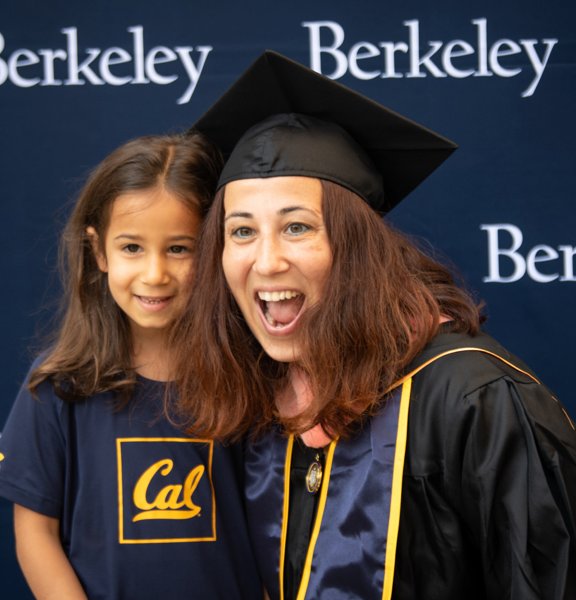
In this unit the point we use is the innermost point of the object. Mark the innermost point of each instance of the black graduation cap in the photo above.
(281, 118)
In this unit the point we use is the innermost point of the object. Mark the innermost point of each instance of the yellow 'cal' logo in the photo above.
(172, 501)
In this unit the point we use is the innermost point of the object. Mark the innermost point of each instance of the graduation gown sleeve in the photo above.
(489, 497)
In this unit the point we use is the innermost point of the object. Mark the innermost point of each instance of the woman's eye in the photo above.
(297, 228)
(131, 248)
(242, 232)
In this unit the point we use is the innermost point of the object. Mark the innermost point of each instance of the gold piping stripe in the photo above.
(317, 522)
(564, 413)
(568, 418)
(284, 534)
(396, 495)
(454, 351)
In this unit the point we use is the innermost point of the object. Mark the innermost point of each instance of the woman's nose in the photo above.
(270, 258)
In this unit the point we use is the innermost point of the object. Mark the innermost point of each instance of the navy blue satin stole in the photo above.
(358, 509)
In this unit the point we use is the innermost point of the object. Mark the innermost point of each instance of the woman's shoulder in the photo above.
(471, 388)
(465, 380)
(458, 378)
(464, 363)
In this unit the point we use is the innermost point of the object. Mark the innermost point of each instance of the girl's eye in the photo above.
(179, 249)
(131, 248)
(297, 228)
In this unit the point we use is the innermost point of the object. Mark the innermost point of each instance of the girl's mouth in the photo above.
(154, 303)
(151, 300)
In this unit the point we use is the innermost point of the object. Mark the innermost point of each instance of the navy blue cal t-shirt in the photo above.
(145, 511)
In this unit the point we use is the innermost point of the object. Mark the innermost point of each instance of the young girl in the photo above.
(110, 499)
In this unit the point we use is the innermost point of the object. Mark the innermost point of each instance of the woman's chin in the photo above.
(280, 350)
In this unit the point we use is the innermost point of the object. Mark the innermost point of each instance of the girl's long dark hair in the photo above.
(92, 351)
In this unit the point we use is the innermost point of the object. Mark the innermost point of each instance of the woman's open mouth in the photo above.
(281, 308)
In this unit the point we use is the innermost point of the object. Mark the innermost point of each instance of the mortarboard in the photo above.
(281, 118)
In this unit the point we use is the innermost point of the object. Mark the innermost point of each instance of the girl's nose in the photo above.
(155, 272)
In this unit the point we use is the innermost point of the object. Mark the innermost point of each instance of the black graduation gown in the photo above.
(489, 490)
(488, 505)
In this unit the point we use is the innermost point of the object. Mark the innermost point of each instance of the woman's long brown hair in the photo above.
(92, 350)
(382, 303)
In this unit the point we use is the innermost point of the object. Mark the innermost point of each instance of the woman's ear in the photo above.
(98, 254)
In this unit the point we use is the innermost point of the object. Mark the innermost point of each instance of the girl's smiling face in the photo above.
(148, 254)
(276, 256)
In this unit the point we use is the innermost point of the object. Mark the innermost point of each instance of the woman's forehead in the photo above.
(273, 194)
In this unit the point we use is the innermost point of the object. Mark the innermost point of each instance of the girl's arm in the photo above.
(41, 556)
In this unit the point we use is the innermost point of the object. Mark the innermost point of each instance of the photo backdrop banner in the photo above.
(499, 78)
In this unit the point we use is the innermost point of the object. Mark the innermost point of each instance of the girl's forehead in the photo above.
(152, 210)
(135, 201)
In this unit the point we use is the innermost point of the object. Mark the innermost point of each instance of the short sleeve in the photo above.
(32, 448)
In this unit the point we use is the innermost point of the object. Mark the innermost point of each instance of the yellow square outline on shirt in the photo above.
(121, 539)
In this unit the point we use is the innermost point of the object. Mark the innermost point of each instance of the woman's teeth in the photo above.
(270, 320)
(277, 296)
(280, 307)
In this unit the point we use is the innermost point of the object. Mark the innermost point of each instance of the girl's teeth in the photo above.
(152, 300)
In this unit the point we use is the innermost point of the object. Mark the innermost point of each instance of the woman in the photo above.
(401, 452)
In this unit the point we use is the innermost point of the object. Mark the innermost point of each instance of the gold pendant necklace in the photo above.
(314, 475)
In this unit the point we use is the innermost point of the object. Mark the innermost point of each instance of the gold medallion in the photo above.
(314, 476)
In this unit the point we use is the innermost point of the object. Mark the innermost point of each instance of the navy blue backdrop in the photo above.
(498, 78)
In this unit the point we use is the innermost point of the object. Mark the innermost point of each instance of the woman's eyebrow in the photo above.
(283, 211)
(289, 209)
(242, 215)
